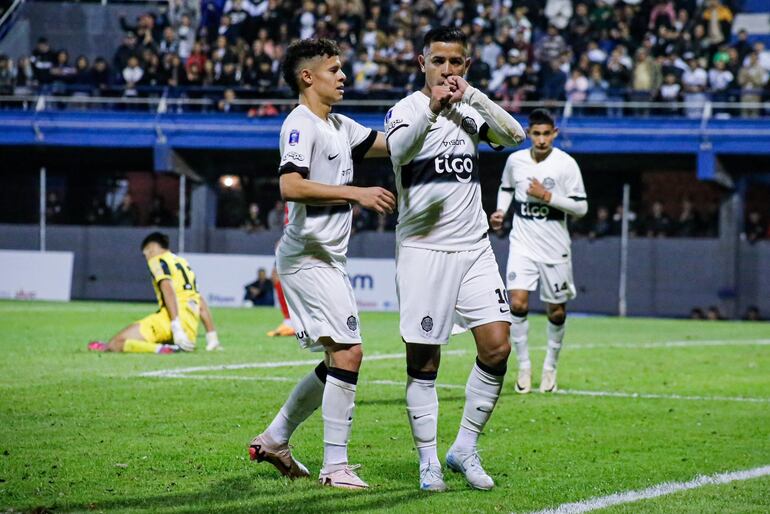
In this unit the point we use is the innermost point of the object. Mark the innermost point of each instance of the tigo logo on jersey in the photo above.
(460, 165)
(534, 210)
(294, 137)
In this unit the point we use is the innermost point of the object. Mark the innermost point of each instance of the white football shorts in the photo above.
(436, 289)
(556, 283)
(321, 304)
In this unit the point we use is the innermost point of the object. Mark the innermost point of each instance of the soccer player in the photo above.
(174, 326)
(445, 268)
(318, 151)
(545, 186)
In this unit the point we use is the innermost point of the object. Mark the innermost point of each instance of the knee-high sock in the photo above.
(139, 346)
(422, 410)
(304, 399)
(555, 338)
(481, 394)
(337, 408)
(282, 302)
(519, 336)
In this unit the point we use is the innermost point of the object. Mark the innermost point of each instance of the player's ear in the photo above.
(421, 62)
(555, 132)
(467, 65)
(306, 77)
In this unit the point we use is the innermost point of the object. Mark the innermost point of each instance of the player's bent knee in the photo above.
(520, 310)
(496, 356)
(557, 316)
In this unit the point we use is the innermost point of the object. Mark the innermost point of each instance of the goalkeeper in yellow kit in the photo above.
(174, 326)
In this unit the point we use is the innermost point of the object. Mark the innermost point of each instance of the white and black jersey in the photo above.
(539, 230)
(322, 151)
(439, 194)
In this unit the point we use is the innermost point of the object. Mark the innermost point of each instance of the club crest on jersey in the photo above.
(352, 323)
(511, 276)
(427, 324)
(389, 115)
(469, 125)
(548, 183)
(294, 137)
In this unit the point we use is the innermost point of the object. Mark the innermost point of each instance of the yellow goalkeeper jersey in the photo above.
(168, 266)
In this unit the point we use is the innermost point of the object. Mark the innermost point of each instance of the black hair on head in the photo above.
(541, 117)
(156, 237)
(445, 35)
(304, 49)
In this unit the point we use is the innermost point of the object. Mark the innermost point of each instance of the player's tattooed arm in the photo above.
(295, 188)
(575, 207)
(504, 129)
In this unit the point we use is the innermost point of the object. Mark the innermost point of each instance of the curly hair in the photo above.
(304, 49)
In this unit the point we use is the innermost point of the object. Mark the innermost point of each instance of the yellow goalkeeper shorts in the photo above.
(156, 328)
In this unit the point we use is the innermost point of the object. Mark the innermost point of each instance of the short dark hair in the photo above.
(303, 49)
(541, 117)
(445, 35)
(156, 237)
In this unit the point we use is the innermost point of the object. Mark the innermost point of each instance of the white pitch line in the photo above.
(655, 491)
(173, 372)
(670, 344)
(657, 396)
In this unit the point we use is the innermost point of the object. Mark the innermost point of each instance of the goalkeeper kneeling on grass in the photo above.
(174, 326)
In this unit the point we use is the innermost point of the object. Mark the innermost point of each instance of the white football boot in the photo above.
(431, 478)
(470, 466)
(263, 448)
(343, 476)
(523, 383)
(548, 381)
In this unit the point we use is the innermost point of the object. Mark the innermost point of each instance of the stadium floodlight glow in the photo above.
(230, 182)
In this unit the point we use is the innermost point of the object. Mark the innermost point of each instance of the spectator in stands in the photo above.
(125, 51)
(576, 87)
(755, 228)
(226, 103)
(42, 60)
(602, 226)
(752, 78)
(362, 220)
(132, 74)
(253, 221)
(697, 313)
(185, 34)
(550, 47)
(160, 216)
(720, 80)
(713, 314)
(101, 78)
(82, 75)
(742, 45)
(752, 314)
(169, 44)
(694, 81)
(558, 13)
(276, 216)
(718, 20)
(553, 82)
(657, 223)
(6, 75)
(763, 55)
(98, 213)
(62, 71)
(670, 91)
(646, 76)
(54, 210)
(688, 222)
(127, 213)
(259, 292)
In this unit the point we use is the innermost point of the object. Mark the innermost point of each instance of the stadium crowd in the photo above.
(524, 50)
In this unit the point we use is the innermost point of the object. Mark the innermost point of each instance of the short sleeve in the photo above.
(159, 269)
(507, 183)
(296, 148)
(573, 185)
(395, 119)
(360, 138)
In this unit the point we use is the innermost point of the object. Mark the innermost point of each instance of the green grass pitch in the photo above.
(84, 432)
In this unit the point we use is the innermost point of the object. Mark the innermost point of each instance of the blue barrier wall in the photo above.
(667, 277)
(217, 131)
